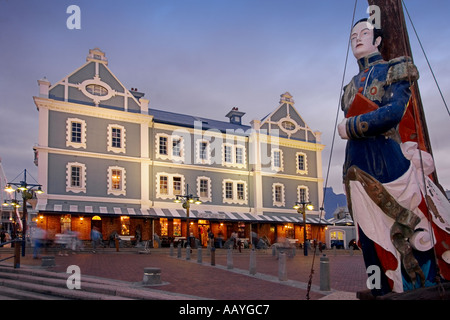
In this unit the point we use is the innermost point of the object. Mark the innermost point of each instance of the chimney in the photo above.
(235, 116)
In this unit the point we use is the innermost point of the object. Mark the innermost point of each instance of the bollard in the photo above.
(282, 273)
(171, 249)
(188, 253)
(253, 262)
(152, 276)
(274, 251)
(230, 259)
(179, 250)
(324, 273)
(213, 256)
(350, 251)
(199, 255)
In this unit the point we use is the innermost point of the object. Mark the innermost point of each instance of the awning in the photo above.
(115, 210)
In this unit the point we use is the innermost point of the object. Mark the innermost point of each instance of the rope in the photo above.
(441, 288)
(426, 57)
(331, 153)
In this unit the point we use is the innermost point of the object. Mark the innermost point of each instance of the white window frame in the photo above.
(170, 194)
(233, 149)
(235, 199)
(110, 147)
(69, 187)
(69, 142)
(276, 203)
(198, 159)
(306, 193)
(170, 140)
(273, 167)
(208, 198)
(117, 192)
(305, 160)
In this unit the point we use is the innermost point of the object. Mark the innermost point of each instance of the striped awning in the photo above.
(109, 209)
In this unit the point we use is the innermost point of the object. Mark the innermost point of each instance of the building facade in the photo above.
(107, 159)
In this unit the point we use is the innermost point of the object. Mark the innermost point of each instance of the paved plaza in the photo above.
(203, 281)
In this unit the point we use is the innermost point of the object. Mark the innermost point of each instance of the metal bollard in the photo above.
(325, 273)
(282, 273)
(199, 255)
(252, 262)
(171, 249)
(230, 259)
(188, 253)
(213, 256)
(179, 250)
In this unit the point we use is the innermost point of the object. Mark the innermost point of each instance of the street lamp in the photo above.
(301, 208)
(187, 200)
(28, 190)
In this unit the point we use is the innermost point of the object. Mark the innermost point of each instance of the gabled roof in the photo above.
(286, 119)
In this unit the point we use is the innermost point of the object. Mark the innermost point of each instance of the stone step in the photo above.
(55, 284)
(9, 293)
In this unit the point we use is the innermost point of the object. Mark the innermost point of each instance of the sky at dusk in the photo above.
(204, 57)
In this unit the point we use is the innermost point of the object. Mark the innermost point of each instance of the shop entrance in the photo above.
(203, 227)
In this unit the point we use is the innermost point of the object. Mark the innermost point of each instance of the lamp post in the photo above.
(187, 200)
(301, 208)
(28, 190)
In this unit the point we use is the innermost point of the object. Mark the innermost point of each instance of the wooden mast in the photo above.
(396, 44)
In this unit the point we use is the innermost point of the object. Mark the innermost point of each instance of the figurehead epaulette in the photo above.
(401, 69)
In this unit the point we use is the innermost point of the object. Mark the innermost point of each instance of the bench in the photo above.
(152, 276)
(48, 261)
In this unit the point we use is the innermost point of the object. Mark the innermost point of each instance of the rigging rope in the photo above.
(331, 152)
(426, 57)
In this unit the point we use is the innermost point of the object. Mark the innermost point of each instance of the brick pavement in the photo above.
(347, 273)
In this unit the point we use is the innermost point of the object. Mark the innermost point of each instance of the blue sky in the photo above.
(203, 57)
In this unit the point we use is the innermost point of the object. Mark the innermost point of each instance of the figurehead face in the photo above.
(364, 39)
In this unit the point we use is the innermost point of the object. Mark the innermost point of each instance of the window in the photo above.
(229, 190)
(202, 152)
(302, 167)
(277, 159)
(204, 188)
(164, 185)
(116, 181)
(240, 191)
(169, 147)
(116, 138)
(234, 191)
(96, 90)
(125, 226)
(163, 150)
(176, 147)
(278, 195)
(176, 185)
(75, 133)
(177, 227)
(227, 154)
(239, 155)
(302, 194)
(233, 155)
(169, 185)
(75, 177)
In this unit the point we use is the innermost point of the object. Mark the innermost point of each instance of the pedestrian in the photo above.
(2, 237)
(211, 238)
(39, 236)
(95, 238)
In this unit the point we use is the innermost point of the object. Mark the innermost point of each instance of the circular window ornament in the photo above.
(96, 90)
(288, 125)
